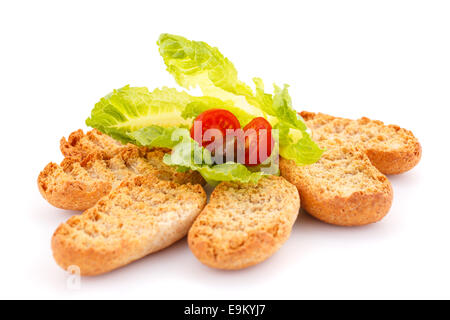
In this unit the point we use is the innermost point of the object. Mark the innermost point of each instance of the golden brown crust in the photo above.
(244, 224)
(141, 216)
(78, 183)
(356, 210)
(79, 144)
(395, 162)
(391, 149)
(342, 188)
(64, 191)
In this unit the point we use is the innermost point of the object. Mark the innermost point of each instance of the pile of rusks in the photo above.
(135, 205)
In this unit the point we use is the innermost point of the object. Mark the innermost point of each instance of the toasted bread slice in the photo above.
(80, 144)
(244, 224)
(141, 216)
(342, 188)
(391, 149)
(77, 184)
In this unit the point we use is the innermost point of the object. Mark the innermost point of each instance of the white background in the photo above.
(387, 60)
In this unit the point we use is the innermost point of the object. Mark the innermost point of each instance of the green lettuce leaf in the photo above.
(128, 109)
(157, 137)
(189, 155)
(229, 171)
(195, 63)
(131, 108)
(303, 151)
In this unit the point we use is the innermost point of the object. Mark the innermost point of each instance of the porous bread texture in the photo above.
(244, 224)
(71, 189)
(77, 184)
(141, 216)
(391, 149)
(79, 144)
(342, 188)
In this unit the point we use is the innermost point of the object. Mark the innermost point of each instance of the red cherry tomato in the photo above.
(258, 141)
(219, 119)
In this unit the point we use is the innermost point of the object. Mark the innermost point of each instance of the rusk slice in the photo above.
(79, 144)
(77, 184)
(391, 149)
(244, 224)
(342, 188)
(141, 216)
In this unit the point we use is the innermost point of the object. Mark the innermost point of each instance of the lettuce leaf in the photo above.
(195, 63)
(131, 108)
(229, 171)
(189, 155)
(156, 137)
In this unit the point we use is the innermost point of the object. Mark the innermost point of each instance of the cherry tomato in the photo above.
(258, 141)
(219, 119)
